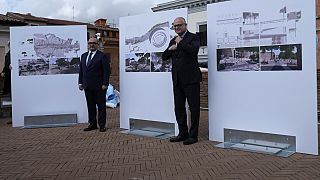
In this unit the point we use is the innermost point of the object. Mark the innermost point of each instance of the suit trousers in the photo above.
(191, 93)
(96, 98)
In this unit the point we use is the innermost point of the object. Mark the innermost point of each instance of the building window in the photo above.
(114, 34)
(202, 31)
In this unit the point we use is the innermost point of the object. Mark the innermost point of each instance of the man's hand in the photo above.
(80, 87)
(178, 39)
(3, 75)
(173, 47)
(104, 87)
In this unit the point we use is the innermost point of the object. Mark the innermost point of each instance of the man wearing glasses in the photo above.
(186, 76)
(94, 80)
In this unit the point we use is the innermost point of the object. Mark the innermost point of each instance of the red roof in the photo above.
(25, 17)
(9, 20)
(66, 22)
(49, 21)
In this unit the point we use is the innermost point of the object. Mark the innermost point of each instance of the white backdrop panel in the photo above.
(270, 101)
(45, 94)
(146, 95)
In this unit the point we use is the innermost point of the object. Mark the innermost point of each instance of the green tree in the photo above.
(62, 62)
(75, 61)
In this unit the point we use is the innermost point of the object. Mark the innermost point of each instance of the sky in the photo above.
(83, 11)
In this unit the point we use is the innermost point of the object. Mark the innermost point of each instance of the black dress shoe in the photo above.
(178, 138)
(90, 128)
(190, 141)
(102, 129)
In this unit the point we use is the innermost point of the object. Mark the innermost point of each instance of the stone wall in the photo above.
(204, 90)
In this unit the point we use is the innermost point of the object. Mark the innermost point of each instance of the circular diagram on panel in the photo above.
(159, 38)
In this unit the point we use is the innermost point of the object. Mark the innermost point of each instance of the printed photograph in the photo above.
(238, 59)
(281, 57)
(29, 67)
(138, 62)
(159, 65)
(64, 65)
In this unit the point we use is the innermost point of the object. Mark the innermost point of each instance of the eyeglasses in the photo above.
(92, 43)
(174, 26)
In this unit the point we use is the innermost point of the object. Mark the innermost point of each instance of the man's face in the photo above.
(179, 26)
(93, 44)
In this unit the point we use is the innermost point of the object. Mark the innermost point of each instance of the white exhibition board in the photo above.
(262, 69)
(145, 80)
(45, 63)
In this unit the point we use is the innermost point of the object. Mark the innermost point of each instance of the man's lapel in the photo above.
(184, 39)
(84, 61)
(92, 60)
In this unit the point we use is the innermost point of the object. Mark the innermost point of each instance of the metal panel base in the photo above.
(56, 120)
(274, 144)
(5, 106)
(149, 128)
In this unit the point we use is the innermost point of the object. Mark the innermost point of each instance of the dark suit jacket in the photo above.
(6, 69)
(96, 73)
(185, 68)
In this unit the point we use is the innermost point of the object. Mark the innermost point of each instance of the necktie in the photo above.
(89, 59)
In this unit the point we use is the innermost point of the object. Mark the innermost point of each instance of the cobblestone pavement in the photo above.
(71, 153)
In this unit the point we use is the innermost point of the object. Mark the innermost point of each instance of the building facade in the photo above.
(109, 43)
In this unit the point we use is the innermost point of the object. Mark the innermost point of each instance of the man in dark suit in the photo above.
(186, 76)
(6, 73)
(94, 80)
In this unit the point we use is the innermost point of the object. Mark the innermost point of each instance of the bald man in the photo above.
(94, 80)
(186, 76)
